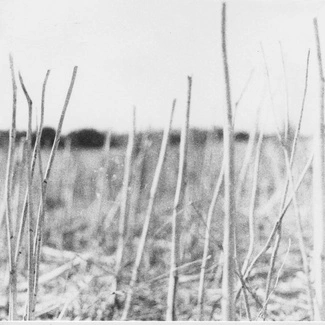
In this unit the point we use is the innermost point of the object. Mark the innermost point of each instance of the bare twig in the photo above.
(253, 203)
(240, 276)
(37, 144)
(124, 198)
(207, 240)
(10, 234)
(145, 228)
(278, 222)
(289, 164)
(276, 282)
(41, 212)
(287, 116)
(31, 261)
(302, 245)
(178, 205)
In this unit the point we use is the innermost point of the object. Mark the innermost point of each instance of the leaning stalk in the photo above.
(125, 196)
(31, 261)
(10, 234)
(145, 228)
(178, 207)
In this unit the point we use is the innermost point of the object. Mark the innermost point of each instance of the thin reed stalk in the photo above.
(263, 310)
(179, 205)
(287, 111)
(302, 244)
(249, 151)
(136, 183)
(216, 193)
(240, 276)
(35, 152)
(318, 192)
(124, 196)
(228, 302)
(38, 248)
(10, 234)
(289, 164)
(277, 223)
(207, 241)
(69, 179)
(153, 192)
(102, 181)
(18, 180)
(41, 212)
(251, 220)
(31, 261)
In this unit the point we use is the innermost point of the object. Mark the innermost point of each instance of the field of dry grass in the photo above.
(81, 232)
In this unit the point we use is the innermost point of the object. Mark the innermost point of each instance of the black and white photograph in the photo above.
(162, 160)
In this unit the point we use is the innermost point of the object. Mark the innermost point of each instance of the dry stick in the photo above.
(145, 228)
(124, 199)
(19, 165)
(271, 268)
(289, 164)
(179, 204)
(302, 245)
(10, 235)
(215, 197)
(101, 181)
(249, 150)
(318, 190)
(26, 205)
(37, 143)
(37, 262)
(207, 240)
(246, 287)
(137, 175)
(166, 275)
(37, 154)
(69, 178)
(278, 223)
(31, 262)
(287, 120)
(235, 112)
(111, 213)
(40, 216)
(276, 282)
(253, 203)
(243, 91)
(240, 276)
(228, 302)
(278, 231)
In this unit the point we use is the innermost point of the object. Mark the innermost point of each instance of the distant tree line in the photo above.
(91, 138)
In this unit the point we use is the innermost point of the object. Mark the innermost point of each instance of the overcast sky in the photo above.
(140, 53)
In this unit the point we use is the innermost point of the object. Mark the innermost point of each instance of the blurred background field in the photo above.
(81, 228)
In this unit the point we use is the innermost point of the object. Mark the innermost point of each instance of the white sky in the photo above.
(139, 52)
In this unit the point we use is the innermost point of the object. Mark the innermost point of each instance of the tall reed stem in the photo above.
(29, 153)
(228, 301)
(145, 228)
(207, 240)
(41, 212)
(251, 220)
(35, 153)
(125, 196)
(10, 234)
(318, 192)
(178, 207)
